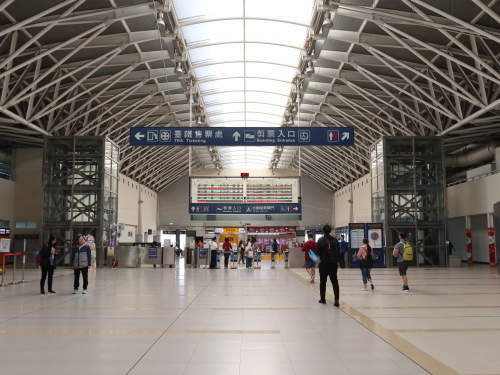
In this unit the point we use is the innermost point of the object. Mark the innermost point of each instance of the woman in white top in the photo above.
(249, 254)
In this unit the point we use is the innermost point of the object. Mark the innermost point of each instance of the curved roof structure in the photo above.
(411, 67)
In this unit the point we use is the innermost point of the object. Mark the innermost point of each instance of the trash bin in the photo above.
(455, 261)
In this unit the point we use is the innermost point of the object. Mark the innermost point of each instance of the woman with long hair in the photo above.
(365, 255)
(241, 252)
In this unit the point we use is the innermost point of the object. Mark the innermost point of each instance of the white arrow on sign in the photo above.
(236, 135)
(192, 208)
(295, 208)
(138, 136)
(345, 136)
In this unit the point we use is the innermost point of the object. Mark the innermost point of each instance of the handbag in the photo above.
(313, 255)
(249, 253)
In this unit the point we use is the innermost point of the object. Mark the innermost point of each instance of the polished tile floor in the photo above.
(197, 321)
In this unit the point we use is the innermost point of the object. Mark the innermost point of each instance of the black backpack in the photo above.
(332, 252)
(368, 261)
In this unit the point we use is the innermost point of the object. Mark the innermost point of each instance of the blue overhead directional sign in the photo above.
(235, 208)
(277, 136)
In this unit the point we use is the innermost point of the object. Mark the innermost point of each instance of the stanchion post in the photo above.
(218, 256)
(234, 258)
(286, 258)
(14, 269)
(3, 270)
(257, 259)
(24, 261)
(273, 264)
(24, 266)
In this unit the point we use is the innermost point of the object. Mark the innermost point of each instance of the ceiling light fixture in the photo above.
(327, 22)
(310, 68)
(159, 19)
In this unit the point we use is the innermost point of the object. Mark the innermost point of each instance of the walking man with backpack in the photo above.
(404, 252)
(328, 250)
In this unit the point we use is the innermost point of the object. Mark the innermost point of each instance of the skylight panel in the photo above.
(235, 84)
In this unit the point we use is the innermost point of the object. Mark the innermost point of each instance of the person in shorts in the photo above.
(402, 264)
(310, 244)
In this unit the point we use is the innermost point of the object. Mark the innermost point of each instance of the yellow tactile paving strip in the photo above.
(420, 357)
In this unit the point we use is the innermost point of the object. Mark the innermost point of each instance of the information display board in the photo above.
(216, 190)
(152, 252)
(251, 191)
(374, 233)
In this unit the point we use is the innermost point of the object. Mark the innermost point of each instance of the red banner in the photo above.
(468, 241)
(491, 246)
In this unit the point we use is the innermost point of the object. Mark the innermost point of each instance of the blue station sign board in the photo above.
(264, 208)
(212, 136)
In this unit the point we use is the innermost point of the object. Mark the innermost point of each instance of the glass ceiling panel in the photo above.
(264, 97)
(220, 71)
(228, 40)
(272, 53)
(233, 124)
(282, 32)
(279, 72)
(235, 84)
(238, 151)
(228, 117)
(268, 85)
(229, 97)
(297, 11)
(217, 53)
(216, 109)
(265, 108)
(188, 10)
(259, 124)
(264, 118)
(213, 32)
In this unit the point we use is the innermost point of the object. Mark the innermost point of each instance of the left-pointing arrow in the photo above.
(139, 135)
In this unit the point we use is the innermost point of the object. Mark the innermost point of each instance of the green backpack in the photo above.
(407, 251)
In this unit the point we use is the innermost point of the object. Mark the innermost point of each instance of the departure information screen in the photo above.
(253, 190)
(217, 192)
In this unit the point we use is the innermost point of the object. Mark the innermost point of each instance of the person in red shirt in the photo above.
(227, 247)
(310, 244)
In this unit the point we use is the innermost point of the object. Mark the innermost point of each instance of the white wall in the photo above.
(137, 217)
(359, 209)
(474, 197)
(317, 203)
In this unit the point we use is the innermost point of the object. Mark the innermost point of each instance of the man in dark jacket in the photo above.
(48, 263)
(329, 251)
